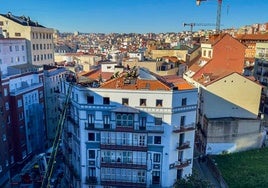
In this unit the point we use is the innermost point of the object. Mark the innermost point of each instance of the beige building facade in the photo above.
(39, 40)
(228, 116)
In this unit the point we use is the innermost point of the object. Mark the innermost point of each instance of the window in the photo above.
(159, 102)
(182, 122)
(92, 172)
(209, 53)
(4, 137)
(143, 122)
(17, 48)
(91, 119)
(12, 60)
(158, 121)
(8, 119)
(7, 105)
(125, 101)
(204, 53)
(40, 94)
(124, 119)
(184, 101)
(10, 48)
(91, 136)
(21, 116)
(141, 176)
(157, 140)
(90, 99)
(91, 154)
(106, 100)
(156, 177)
(22, 47)
(156, 157)
(106, 119)
(142, 140)
(17, 34)
(1, 23)
(19, 103)
(142, 102)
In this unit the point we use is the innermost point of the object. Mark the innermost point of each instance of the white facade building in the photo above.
(129, 136)
(12, 52)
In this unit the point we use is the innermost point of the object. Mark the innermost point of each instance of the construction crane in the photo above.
(197, 24)
(49, 171)
(218, 20)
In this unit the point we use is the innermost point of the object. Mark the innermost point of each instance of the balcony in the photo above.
(107, 126)
(180, 164)
(155, 129)
(111, 164)
(182, 146)
(72, 120)
(89, 126)
(123, 147)
(91, 180)
(121, 183)
(124, 128)
(182, 129)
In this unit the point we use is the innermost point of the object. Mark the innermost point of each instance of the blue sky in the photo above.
(140, 16)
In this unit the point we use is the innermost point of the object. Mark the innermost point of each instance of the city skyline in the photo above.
(139, 16)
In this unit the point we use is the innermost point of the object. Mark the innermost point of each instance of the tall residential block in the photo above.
(135, 130)
(39, 39)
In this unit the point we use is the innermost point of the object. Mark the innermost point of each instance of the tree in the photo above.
(192, 181)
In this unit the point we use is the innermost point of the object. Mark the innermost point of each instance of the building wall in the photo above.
(35, 36)
(180, 54)
(153, 66)
(228, 56)
(171, 114)
(52, 79)
(4, 140)
(229, 119)
(233, 136)
(12, 52)
(231, 89)
(26, 94)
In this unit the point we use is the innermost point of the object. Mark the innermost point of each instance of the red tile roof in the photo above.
(252, 37)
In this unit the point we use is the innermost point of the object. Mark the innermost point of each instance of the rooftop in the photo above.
(22, 20)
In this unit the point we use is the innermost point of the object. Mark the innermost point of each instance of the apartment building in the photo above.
(250, 41)
(39, 39)
(4, 155)
(12, 52)
(220, 55)
(228, 115)
(52, 78)
(135, 130)
(23, 108)
(261, 74)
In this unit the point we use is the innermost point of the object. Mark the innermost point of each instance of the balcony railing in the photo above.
(91, 180)
(182, 146)
(110, 164)
(180, 164)
(122, 183)
(123, 147)
(185, 128)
